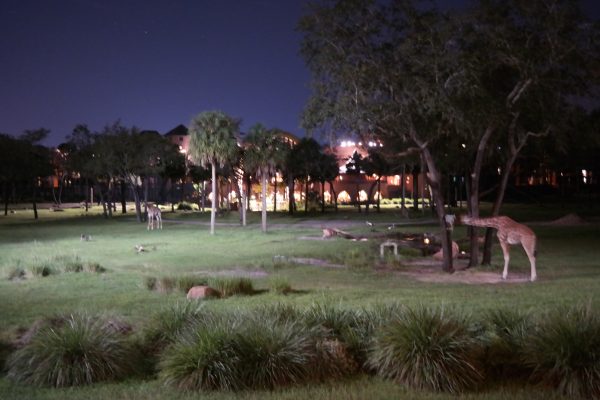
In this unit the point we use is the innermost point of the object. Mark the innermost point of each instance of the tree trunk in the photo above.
(203, 196)
(87, 194)
(291, 197)
(369, 196)
(264, 200)
(322, 196)
(333, 196)
(438, 197)
(415, 193)
(403, 187)
(213, 208)
(275, 195)
(35, 211)
(379, 197)
(473, 202)
(306, 195)
(5, 197)
(123, 191)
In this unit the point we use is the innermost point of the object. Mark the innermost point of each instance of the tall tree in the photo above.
(377, 165)
(262, 155)
(213, 142)
(326, 170)
(37, 159)
(386, 70)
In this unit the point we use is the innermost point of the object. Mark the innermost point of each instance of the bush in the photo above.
(170, 322)
(506, 331)
(427, 349)
(202, 359)
(84, 349)
(232, 286)
(564, 352)
(185, 206)
(273, 355)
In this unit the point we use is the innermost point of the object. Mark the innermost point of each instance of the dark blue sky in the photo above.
(151, 63)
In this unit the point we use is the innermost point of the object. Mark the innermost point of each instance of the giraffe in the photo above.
(509, 232)
(154, 216)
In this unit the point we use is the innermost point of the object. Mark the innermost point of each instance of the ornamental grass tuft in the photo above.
(202, 359)
(564, 351)
(81, 350)
(505, 334)
(232, 286)
(428, 348)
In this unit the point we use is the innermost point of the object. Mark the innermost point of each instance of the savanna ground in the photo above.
(568, 271)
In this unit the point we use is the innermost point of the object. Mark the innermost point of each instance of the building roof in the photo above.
(179, 130)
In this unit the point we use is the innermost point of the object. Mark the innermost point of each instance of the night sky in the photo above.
(152, 63)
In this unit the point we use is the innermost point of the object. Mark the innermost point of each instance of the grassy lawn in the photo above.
(568, 271)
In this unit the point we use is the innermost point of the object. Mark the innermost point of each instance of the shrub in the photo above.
(427, 349)
(185, 206)
(82, 350)
(232, 286)
(505, 334)
(272, 355)
(564, 351)
(202, 359)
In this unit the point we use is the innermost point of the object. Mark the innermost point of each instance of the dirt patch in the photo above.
(237, 272)
(431, 271)
(569, 219)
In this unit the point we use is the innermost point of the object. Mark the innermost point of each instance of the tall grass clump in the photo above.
(94, 268)
(428, 348)
(272, 355)
(564, 351)
(81, 350)
(164, 326)
(186, 282)
(73, 265)
(43, 269)
(202, 359)
(505, 334)
(280, 286)
(232, 286)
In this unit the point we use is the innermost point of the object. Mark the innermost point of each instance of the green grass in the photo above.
(568, 271)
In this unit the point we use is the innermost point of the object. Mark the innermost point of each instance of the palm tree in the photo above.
(213, 141)
(263, 153)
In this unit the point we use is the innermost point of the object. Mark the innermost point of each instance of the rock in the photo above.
(440, 254)
(202, 292)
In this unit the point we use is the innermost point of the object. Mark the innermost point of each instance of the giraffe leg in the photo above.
(506, 252)
(530, 250)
